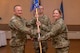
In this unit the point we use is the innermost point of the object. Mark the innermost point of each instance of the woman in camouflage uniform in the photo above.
(58, 33)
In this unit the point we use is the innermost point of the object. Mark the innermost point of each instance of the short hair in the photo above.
(41, 6)
(58, 11)
(15, 6)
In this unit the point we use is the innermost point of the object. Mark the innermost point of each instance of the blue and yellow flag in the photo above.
(35, 4)
(62, 9)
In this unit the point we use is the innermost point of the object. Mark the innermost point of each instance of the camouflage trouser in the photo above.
(43, 44)
(17, 49)
(62, 50)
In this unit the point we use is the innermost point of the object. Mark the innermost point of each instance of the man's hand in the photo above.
(38, 23)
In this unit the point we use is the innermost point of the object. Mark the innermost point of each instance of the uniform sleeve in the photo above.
(54, 30)
(31, 22)
(19, 26)
(47, 26)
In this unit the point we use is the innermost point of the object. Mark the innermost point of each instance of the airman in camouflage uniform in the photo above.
(19, 31)
(44, 28)
(58, 34)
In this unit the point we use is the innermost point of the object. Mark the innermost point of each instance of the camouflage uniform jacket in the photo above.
(58, 34)
(18, 29)
(44, 28)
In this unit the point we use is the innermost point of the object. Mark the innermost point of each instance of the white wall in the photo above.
(74, 34)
